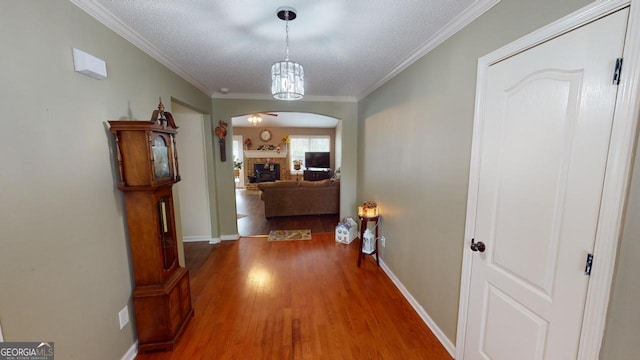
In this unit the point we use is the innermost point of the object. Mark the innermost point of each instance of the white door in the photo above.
(544, 139)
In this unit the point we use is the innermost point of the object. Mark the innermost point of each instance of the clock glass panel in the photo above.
(161, 157)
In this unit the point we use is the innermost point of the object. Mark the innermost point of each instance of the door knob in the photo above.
(477, 246)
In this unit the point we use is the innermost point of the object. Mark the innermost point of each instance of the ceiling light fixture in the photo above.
(255, 119)
(287, 77)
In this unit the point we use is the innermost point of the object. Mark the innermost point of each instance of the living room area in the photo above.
(286, 172)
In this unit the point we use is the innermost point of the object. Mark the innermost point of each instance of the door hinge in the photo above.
(617, 71)
(587, 267)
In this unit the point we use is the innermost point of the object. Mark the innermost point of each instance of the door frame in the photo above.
(616, 181)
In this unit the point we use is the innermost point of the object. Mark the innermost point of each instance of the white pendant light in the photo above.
(287, 77)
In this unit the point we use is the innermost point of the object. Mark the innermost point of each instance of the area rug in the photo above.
(284, 235)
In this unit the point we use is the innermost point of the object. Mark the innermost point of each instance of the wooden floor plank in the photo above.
(256, 299)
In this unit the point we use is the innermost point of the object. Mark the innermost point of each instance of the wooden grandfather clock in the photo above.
(148, 168)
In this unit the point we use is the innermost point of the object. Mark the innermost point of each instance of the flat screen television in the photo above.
(314, 159)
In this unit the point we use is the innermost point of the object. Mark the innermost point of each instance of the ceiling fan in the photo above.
(255, 118)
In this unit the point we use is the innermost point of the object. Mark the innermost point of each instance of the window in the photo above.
(299, 144)
(238, 158)
(236, 148)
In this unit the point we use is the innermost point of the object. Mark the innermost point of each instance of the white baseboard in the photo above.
(211, 240)
(448, 345)
(229, 237)
(197, 238)
(132, 352)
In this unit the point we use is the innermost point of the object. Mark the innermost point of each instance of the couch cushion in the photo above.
(277, 185)
(319, 183)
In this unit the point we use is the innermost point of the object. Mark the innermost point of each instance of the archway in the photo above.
(279, 138)
(345, 147)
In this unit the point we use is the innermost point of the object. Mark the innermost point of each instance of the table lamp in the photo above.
(369, 209)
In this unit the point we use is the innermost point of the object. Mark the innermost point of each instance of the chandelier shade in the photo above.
(287, 77)
(255, 119)
(287, 80)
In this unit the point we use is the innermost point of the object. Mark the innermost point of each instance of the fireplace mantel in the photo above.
(265, 154)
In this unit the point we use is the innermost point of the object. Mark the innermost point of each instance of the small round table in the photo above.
(364, 222)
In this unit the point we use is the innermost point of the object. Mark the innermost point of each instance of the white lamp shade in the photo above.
(367, 211)
(287, 80)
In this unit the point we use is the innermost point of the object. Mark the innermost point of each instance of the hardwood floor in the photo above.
(256, 299)
(195, 255)
(251, 222)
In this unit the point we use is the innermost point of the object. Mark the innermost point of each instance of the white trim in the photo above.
(205, 136)
(456, 24)
(214, 241)
(252, 154)
(615, 193)
(131, 353)
(444, 340)
(240, 96)
(568, 23)
(229, 237)
(616, 179)
(101, 14)
(197, 238)
(105, 17)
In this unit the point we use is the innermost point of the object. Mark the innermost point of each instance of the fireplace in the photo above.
(264, 174)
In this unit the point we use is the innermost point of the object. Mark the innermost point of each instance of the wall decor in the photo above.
(265, 135)
(221, 133)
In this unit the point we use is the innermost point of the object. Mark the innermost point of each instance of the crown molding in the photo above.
(105, 17)
(463, 19)
(241, 96)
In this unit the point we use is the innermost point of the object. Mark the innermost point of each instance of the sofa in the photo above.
(290, 198)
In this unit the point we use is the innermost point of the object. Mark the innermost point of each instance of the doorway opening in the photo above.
(265, 150)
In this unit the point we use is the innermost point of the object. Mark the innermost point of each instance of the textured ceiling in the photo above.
(347, 47)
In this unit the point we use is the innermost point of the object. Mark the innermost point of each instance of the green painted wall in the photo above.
(64, 257)
(415, 138)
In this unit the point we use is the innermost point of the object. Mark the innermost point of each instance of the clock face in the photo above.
(161, 158)
(265, 135)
